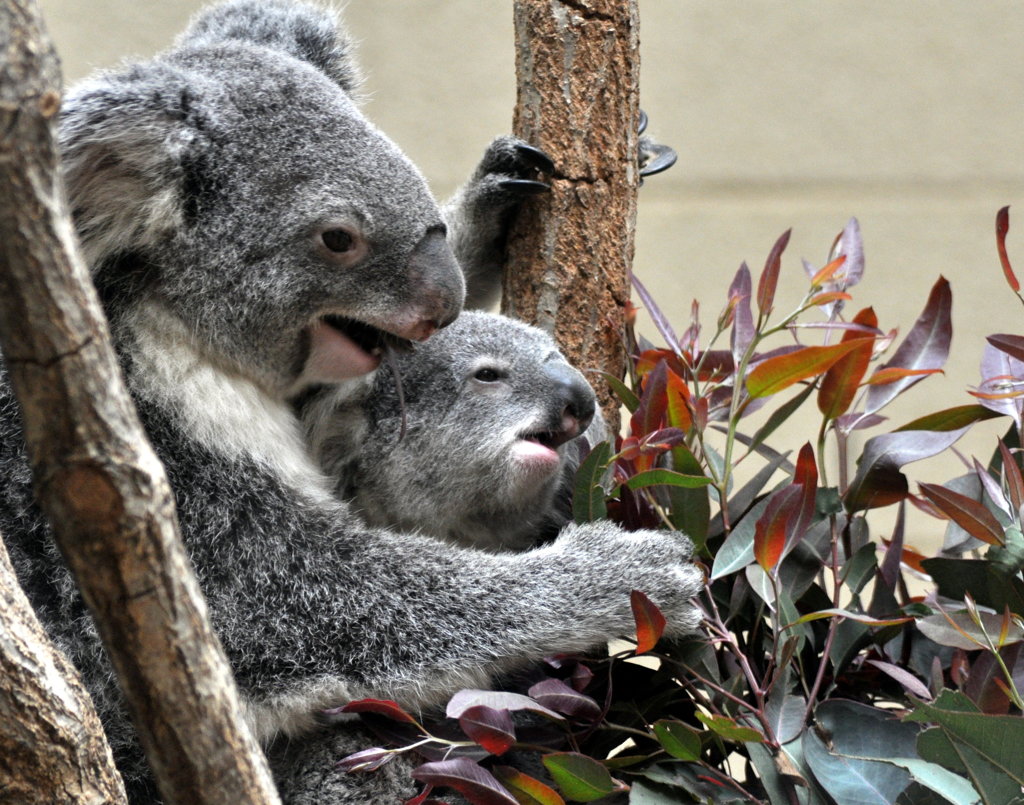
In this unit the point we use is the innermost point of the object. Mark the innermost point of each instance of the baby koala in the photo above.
(471, 437)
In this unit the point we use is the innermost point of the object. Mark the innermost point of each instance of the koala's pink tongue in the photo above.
(334, 356)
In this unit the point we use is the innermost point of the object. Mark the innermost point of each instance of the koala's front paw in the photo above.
(509, 171)
(652, 157)
(611, 563)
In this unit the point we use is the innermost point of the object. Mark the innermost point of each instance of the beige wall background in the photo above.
(907, 115)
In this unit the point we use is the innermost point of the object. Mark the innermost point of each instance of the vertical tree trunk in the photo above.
(52, 747)
(96, 477)
(570, 253)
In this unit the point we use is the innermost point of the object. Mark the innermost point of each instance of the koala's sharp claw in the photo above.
(525, 187)
(656, 158)
(643, 122)
(535, 157)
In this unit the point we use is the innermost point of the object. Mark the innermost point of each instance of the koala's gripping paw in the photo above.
(509, 171)
(609, 563)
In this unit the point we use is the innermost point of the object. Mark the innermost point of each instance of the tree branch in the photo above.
(96, 477)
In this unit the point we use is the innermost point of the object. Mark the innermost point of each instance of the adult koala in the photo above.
(253, 236)
(470, 437)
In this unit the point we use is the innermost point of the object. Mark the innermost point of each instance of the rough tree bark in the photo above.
(570, 253)
(96, 477)
(52, 747)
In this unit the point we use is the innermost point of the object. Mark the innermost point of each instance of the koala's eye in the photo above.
(487, 375)
(338, 240)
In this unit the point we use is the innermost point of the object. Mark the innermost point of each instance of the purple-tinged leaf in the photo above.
(498, 700)
(889, 570)
(526, 789)
(769, 280)
(958, 629)
(926, 346)
(852, 247)
(474, 782)
(950, 418)
(1014, 481)
(581, 677)
(492, 729)
(1001, 373)
(650, 622)
(1012, 345)
(878, 481)
(690, 342)
(848, 423)
(910, 683)
(993, 490)
(384, 707)
(969, 514)
(743, 320)
(1002, 227)
(557, 695)
(884, 377)
(660, 321)
(834, 325)
(365, 760)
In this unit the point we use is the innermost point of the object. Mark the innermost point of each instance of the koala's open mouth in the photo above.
(551, 439)
(367, 337)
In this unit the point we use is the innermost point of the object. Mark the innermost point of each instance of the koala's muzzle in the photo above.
(573, 402)
(440, 287)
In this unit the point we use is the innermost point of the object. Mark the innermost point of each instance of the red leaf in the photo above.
(659, 319)
(826, 274)
(885, 376)
(526, 789)
(678, 398)
(1012, 345)
(775, 374)
(926, 346)
(384, 707)
(650, 623)
(770, 275)
(828, 297)
(1012, 474)
(557, 695)
(969, 514)
(772, 526)
(650, 415)
(1002, 227)
(839, 386)
(492, 729)
(473, 781)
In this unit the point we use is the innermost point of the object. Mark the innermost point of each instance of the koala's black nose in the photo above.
(575, 401)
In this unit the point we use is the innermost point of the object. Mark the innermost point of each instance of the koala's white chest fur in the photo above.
(226, 413)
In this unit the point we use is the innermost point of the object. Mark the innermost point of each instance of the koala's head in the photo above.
(492, 411)
(233, 183)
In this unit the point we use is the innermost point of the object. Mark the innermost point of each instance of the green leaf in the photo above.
(989, 585)
(662, 477)
(581, 778)
(738, 549)
(859, 617)
(691, 507)
(729, 729)
(950, 418)
(852, 781)
(782, 371)
(996, 739)
(995, 788)
(588, 494)
(952, 787)
(622, 392)
(958, 629)
(678, 739)
(526, 789)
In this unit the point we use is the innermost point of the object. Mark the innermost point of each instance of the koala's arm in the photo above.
(314, 608)
(480, 213)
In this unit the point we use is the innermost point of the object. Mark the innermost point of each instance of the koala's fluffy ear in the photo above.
(305, 32)
(129, 144)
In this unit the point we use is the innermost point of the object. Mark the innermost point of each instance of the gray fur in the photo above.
(461, 471)
(201, 184)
